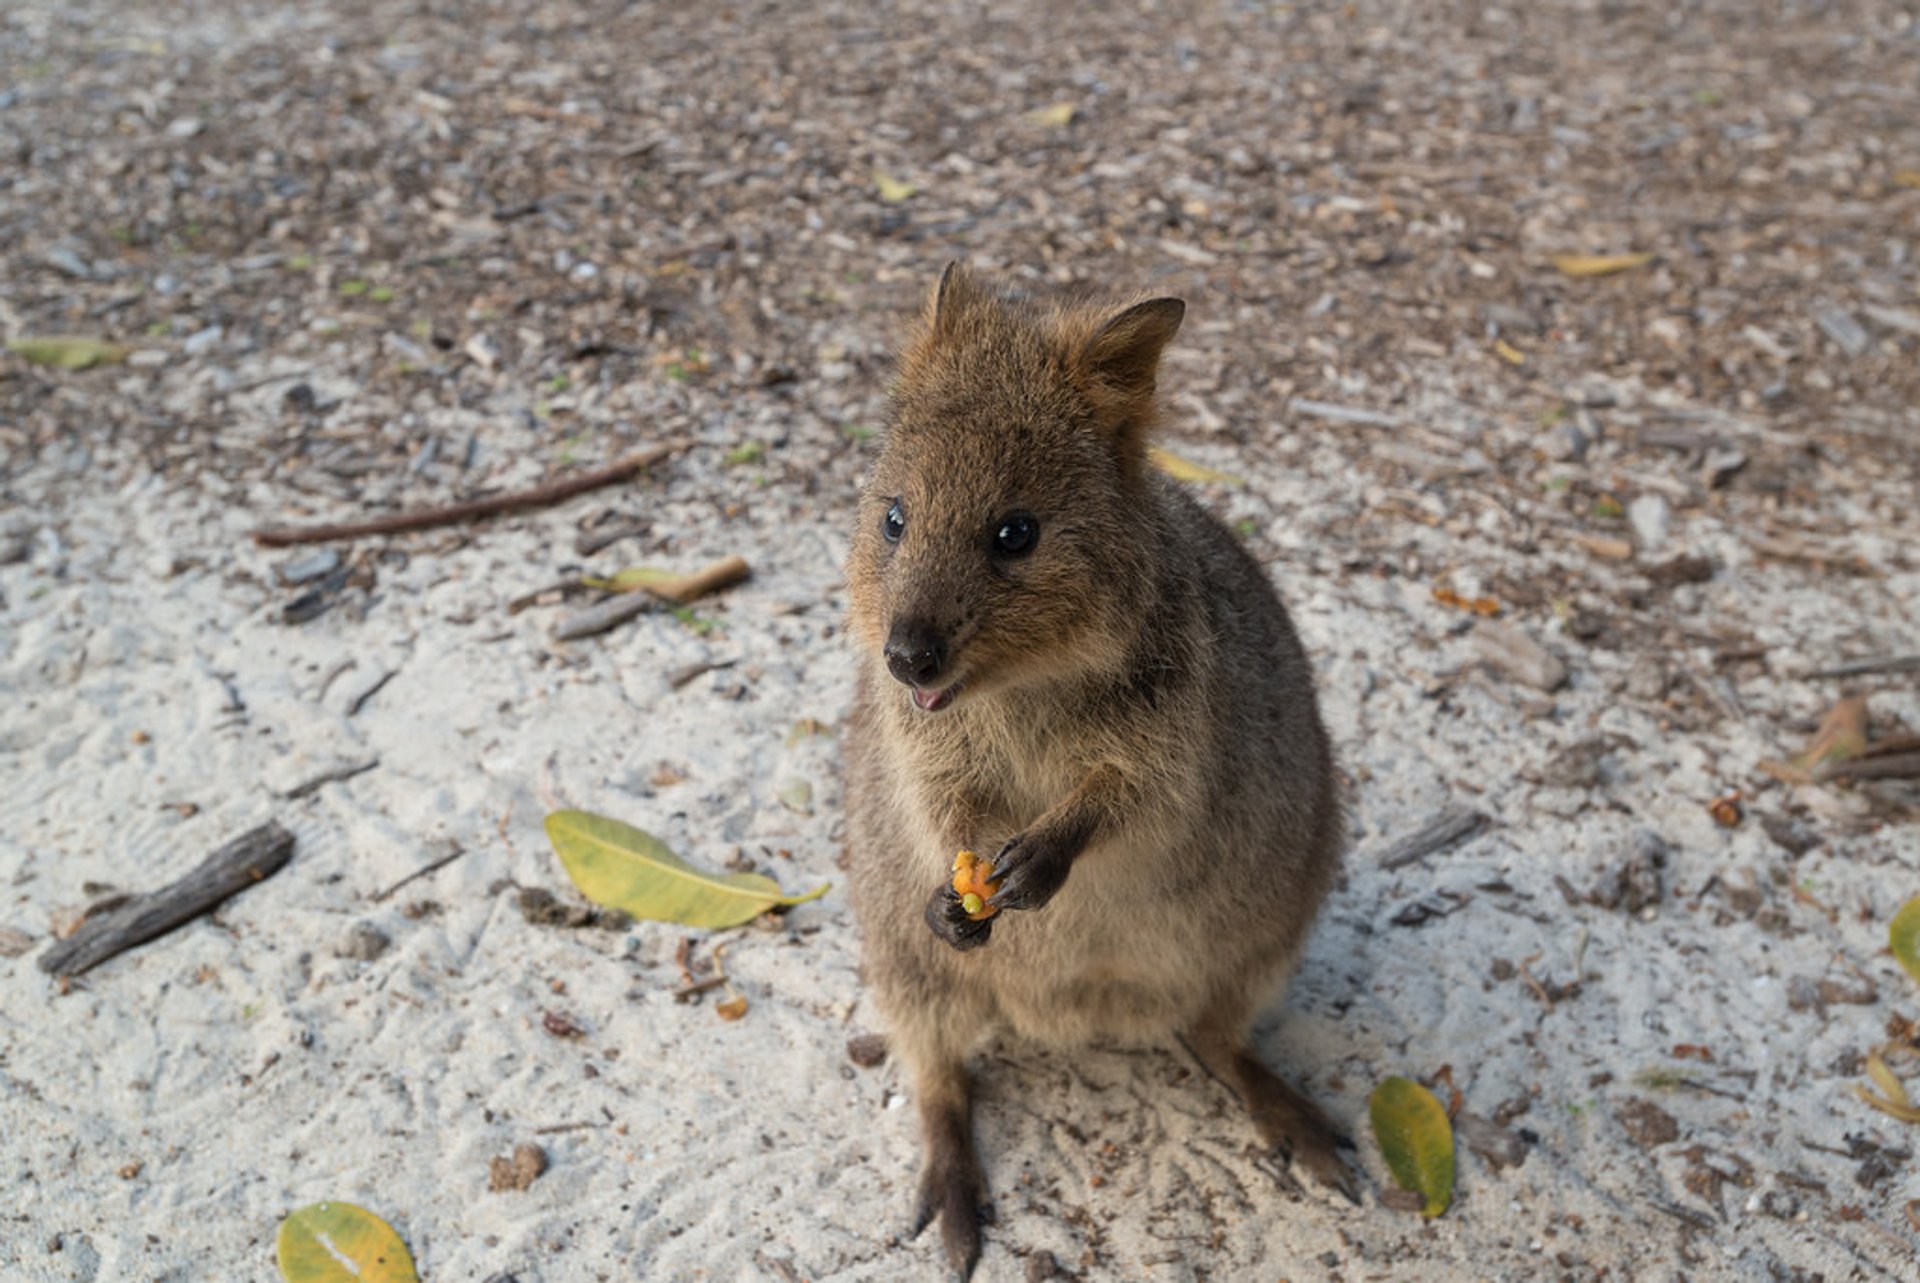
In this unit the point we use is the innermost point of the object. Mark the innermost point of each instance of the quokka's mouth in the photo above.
(932, 701)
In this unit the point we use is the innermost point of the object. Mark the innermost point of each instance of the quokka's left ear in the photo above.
(1117, 366)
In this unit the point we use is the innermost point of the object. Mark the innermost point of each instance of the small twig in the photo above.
(332, 675)
(1687, 1216)
(562, 587)
(678, 592)
(252, 384)
(554, 1129)
(330, 776)
(252, 857)
(1344, 413)
(1893, 766)
(681, 676)
(428, 518)
(421, 872)
(688, 992)
(1540, 991)
(1454, 824)
(1865, 667)
(360, 700)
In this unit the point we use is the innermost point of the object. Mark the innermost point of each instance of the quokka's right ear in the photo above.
(952, 298)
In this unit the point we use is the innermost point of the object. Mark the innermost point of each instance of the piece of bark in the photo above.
(1454, 824)
(252, 857)
(678, 592)
(427, 518)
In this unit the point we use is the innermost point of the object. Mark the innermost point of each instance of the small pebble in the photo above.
(363, 942)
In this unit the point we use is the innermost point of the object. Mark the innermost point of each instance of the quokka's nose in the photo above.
(916, 654)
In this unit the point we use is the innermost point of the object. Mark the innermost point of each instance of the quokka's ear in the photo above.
(952, 298)
(1116, 368)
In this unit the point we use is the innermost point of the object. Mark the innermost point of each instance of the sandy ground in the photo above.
(379, 254)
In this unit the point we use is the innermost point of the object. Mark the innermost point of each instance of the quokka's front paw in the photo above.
(1030, 870)
(948, 919)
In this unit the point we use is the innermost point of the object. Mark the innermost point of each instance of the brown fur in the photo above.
(1134, 738)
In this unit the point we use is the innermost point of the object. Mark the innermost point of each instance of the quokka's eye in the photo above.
(1016, 534)
(895, 524)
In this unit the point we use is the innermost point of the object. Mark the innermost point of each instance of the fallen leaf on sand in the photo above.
(1585, 265)
(1894, 1099)
(1056, 115)
(341, 1243)
(1416, 1140)
(1842, 735)
(1486, 607)
(892, 190)
(1187, 470)
(1903, 936)
(622, 867)
(67, 351)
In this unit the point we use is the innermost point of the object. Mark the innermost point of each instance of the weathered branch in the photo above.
(1452, 825)
(252, 857)
(427, 518)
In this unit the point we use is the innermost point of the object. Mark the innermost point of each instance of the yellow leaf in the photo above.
(712, 577)
(1884, 1079)
(892, 190)
(1905, 1113)
(1903, 936)
(341, 1243)
(1058, 114)
(1842, 735)
(1906, 178)
(1581, 265)
(1416, 1140)
(631, 578)
(621, 867)
(67, 351)
(1187, 470)
(1508, 352)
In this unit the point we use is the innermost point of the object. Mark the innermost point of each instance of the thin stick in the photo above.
(421, 872)
(618, 610)
(1452, 825)
(427, 518)
(332, 775)
(252, 857)
(1865, 667)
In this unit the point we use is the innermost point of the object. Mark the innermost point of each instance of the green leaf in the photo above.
(67, 351)
(353, 288)
(633, 577)
(1903, 936)
(621, 867)
(1416, 1139)
(1187, 470)
(341, 1243)
(797, 795)
(892, 190)
(745, 452)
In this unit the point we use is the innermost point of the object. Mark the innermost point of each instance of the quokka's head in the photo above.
(1006, 535)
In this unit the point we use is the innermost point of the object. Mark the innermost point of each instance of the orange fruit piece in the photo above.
(972, 882)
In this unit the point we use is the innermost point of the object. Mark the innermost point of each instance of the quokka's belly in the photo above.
(1094, 966)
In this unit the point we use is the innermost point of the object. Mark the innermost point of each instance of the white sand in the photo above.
(165, 1114)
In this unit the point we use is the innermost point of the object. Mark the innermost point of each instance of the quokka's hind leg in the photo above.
(952, 1187)
(1292, 1126)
